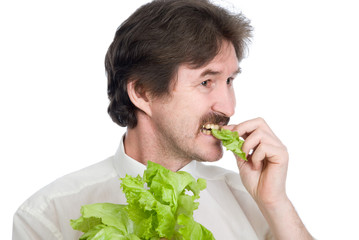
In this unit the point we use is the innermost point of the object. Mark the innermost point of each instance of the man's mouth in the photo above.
(207, 128)
(212, 121)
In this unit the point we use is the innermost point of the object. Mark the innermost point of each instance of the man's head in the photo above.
(151, 45)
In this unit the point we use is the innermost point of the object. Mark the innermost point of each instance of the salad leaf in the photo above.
(231, 141)
(160, 205)
(104, 221)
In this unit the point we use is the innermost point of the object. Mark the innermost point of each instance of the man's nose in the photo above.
(224, 102)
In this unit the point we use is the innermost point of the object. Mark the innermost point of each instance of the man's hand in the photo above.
(264, 176)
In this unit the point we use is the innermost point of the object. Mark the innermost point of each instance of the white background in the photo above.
(300, 76)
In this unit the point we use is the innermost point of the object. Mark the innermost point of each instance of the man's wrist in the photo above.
(283, 220)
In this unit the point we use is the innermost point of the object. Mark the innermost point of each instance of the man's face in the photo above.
(201, 96)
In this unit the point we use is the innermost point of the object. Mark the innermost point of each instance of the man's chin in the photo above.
(211, 156)
(208, 149)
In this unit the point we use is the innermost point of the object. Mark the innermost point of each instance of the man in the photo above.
(170, 72)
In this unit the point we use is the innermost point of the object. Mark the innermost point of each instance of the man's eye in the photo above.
(229, 81)
(205, 83)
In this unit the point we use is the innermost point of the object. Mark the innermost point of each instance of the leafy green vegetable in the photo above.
(104, 221)
(231, 141)
(159, 206)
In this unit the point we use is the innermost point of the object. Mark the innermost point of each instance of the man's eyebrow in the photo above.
(238, 71)
(212, 72)
(209, 72)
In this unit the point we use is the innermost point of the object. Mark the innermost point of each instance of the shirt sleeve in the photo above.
(28, 225)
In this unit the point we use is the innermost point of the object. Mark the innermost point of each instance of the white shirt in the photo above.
(225, 208)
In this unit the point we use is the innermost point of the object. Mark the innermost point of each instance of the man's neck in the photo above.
(140, 144)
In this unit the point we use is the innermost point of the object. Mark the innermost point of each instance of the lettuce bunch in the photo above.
(231, 141)
(160, 205)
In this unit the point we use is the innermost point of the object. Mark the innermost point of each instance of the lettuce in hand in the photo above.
(231, 141)
(159, 206)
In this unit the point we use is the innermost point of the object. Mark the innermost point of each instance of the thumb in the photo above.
(229, 127)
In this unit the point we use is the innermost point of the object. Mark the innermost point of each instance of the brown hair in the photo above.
(159, 36)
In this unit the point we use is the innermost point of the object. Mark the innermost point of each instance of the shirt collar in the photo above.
(190, 168)
(124, 164)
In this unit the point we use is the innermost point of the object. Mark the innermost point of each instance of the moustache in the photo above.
(214, 118)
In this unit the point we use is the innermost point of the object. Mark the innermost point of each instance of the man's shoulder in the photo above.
(73, 184)
(51, 208)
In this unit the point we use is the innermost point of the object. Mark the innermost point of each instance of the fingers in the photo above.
(273, 154)
(244, 129)
(263, 155)
(257, 137)
(260, 143)
(240, 163)
(255, 132)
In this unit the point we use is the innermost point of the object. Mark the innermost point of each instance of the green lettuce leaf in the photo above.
(160, 205)
(231, 141)
(103, 219)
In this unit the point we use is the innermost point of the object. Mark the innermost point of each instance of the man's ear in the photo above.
(139, 97)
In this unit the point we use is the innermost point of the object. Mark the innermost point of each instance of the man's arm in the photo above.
(284, 221)
(28, 225)
(264, 176)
